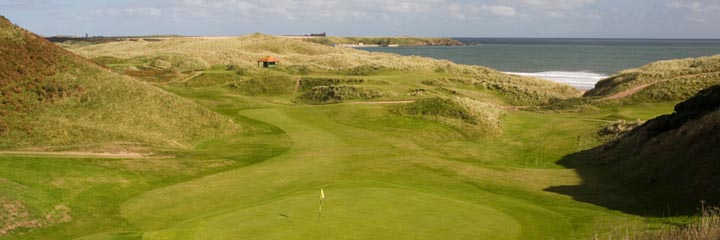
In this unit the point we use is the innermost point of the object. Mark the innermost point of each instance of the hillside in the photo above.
(672, 80)
(673, 157)
(55, 100)
(385, 41)
(187, 55)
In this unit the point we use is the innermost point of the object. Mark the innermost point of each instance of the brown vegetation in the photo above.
(27, 66)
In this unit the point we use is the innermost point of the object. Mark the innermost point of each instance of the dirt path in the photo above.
(72, 154)
(191, 77)
(629, 91)
(514, 107)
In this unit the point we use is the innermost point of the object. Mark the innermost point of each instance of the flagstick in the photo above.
(320, 211)
(322, 196)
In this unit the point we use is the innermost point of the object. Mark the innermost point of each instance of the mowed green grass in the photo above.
(385, 177)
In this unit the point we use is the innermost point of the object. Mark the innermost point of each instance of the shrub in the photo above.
(241, 70)
(161, 64)
(616, 129)
(307, 83)
(192, 63)
(363, 70)
(294, 69)
(566, 105)
(338, 93)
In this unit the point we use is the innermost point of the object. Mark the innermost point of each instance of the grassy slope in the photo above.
(61, 101)
(673, 156)
(243, 51)
(675, 80)
(402, 41)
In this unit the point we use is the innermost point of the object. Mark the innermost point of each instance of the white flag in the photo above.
(322, 194)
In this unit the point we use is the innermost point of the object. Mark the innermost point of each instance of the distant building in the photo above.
(322, 34)
(268, 61)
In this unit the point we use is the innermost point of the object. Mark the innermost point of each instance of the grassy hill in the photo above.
(672, 80)
(673, 158)
(53, 99)
(385, 41)
(299, 57)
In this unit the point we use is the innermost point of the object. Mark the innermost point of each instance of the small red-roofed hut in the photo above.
(268, 61)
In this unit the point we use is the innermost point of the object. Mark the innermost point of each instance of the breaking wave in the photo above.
(579, 80)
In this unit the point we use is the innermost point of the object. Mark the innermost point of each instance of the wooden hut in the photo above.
(268, 61)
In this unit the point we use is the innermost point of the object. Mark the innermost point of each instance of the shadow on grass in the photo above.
(642, 195)
(600, 186)
(669, 166)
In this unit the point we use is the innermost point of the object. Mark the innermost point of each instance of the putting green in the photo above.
(355, 213)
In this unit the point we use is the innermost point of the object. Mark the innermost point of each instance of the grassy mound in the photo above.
(52, 99)
(307, 83)
(468, 116)
(516, 90)
(338, 93)
(674, 156)
(208, 79)
(671, 80)
(267, 84)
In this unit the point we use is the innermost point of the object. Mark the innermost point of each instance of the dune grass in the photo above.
(60, 101)
(338, 93)
(673, 80)
(471, 117)
(300, 58)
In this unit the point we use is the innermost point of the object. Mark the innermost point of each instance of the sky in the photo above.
(441, 18)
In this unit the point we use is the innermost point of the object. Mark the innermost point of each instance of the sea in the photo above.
(578, 62)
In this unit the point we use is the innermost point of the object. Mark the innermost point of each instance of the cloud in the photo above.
(250, 10)
(697, 11)
(501, 10)
(695, 6)
(557, 4)
(554, 8)
(26, 5)
(131, 12)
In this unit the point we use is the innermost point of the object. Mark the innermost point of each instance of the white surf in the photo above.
(579, 80)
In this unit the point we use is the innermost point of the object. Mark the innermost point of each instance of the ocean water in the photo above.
(578, 62)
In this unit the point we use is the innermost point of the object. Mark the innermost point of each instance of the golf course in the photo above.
(191, 139)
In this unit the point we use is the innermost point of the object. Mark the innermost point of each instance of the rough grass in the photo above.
(338, 93)
(302, 58)
(209, 79)
(674, 80)
(471, 117)
(706, 227)
(515, 90)
(267, 84)
(673, 156)
(56, 99)
(307, 83)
